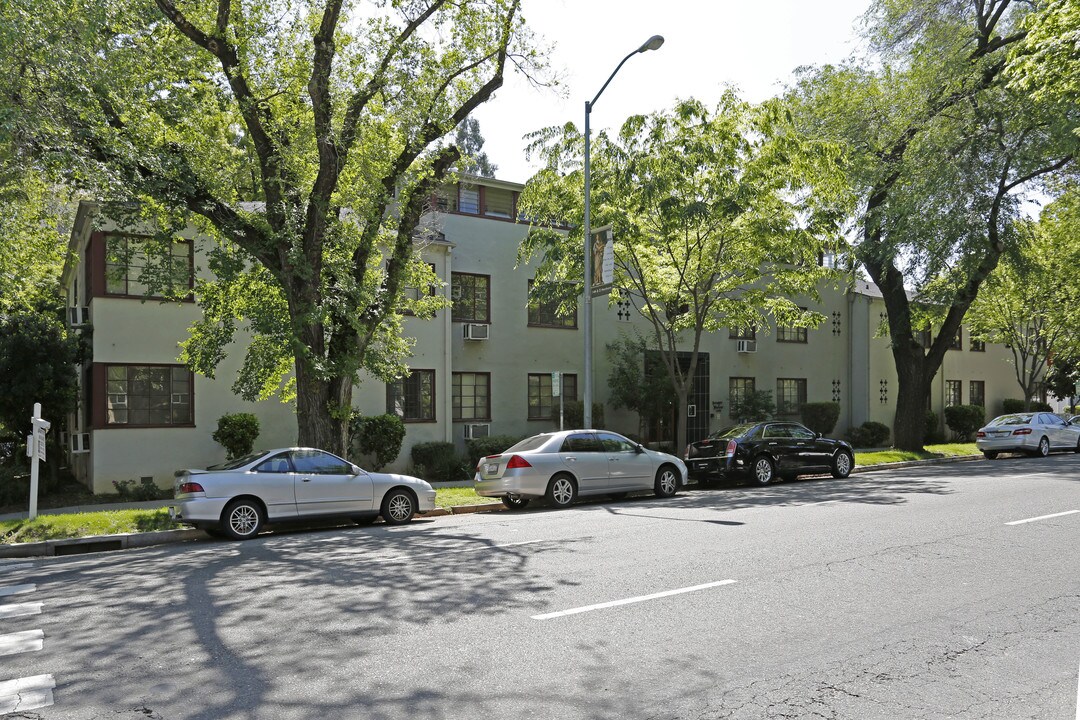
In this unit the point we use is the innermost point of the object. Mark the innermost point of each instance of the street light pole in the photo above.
(652, 43)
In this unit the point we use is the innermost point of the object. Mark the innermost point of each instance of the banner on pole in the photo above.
(603, 259)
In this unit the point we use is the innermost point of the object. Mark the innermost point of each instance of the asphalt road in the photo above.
(903, 594)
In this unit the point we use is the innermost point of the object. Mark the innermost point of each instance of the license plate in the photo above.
(491, 468)
(701, 465)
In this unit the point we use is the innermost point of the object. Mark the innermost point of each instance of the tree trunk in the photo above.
(322, 410)
(913, 387)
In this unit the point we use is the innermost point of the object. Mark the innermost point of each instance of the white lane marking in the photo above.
(627, 601)
(20, 610)
(29, 693)
(1043, 517)
(17, 589)
(20, 642)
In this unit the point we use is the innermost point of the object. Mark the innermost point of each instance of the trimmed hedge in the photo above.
(439, 462)
(1013, 405)
(964, 420)
(492, 445)
(236, 433)
(377, 436)
(821, 416)
(869, 435)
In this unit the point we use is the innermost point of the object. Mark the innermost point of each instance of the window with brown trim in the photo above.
(145, 267)
(977, 345)
(541, 402)
(958, 340)
(148, 395)
(790, 395)
(546, 314)
(739, 389)
(977, 393)
(471, 397)
(954, 393)
(410, 293)
(413, 398)
(471, 295)
(747, 333)
(791, 334)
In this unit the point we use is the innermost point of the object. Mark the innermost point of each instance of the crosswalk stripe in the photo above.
(20, 610)
(28, 699)
(20, 642)
(16, 589)
(35, 682)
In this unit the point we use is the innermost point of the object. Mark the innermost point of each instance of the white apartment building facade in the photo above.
(483, 366)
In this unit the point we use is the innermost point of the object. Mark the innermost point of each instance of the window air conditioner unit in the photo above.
(746, 346)
(476, 331)
(79, 316)
(80, 442)
(477, 430)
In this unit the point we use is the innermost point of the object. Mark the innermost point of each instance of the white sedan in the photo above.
(1034, 433)
(235, 499)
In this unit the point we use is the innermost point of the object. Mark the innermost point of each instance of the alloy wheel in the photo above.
(244, 520)
(400, 507)
(562, 491)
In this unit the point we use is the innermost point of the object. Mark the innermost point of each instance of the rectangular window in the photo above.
(739, 389)
(413, 398)
(413, 294)
(498, 202)
(790, 395)
(923, 338)
(954, 393)
(541, 403)
(978, 345)
(958, 341)
(546, 314)
(791, 334)
(148, 395)
(472, 396)
(471, 295)
(134, 264)
(977, 393)
(747, 333)
(469, 199)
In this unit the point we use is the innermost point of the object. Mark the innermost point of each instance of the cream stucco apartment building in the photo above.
(483, 367)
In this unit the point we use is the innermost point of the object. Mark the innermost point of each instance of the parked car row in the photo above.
(237, 498)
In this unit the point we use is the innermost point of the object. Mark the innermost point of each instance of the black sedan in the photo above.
(764, 451)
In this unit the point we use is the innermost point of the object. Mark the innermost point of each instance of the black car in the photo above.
(764, 451)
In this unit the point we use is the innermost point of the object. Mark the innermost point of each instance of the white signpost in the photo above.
(556, 391)
(35, 450)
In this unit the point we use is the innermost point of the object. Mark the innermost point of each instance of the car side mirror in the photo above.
(639, 448)
(817, 435)
(356, 470)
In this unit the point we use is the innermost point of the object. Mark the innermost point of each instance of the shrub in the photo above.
(1012, 405)
(821, 417)
(378, 437)
(147, 489)
(236, 432)
(477, 448)
(869, 435)
(756, 406)
(1040, 406)
(439, 462)
(574, 415)
(964, 420)
(932, 434)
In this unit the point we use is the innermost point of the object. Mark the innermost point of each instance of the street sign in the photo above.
(36, 451)
(556, 385)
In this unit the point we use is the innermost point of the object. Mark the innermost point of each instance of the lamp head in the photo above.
(652, 43)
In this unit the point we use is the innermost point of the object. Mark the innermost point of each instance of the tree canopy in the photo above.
(303, 138)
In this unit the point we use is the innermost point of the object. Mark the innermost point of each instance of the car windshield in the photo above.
(532, 443)
(1024, 419)
(238, 462)
(730, 432)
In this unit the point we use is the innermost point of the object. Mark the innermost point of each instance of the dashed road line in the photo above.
(1043, 517)
(20, 610)
(20, 642)
(6, 590)
(29, 693)
(628, 601)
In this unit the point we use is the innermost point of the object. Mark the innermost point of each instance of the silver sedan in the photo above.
(560, 466)
(1034, 433)
(235, 499)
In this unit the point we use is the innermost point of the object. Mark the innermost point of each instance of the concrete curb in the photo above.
(104, 543)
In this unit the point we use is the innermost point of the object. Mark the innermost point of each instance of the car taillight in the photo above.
(980, 434)
(1022, 431)
(190, 487)
(516, 461)
(731, 445)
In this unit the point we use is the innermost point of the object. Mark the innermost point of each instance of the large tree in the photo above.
(331, 115)
(941, 149)
(718, 219)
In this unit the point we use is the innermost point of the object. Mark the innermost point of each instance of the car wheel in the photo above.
(667, 482)
(991, 455)
(242, 519)
(398, 507)
(1044, 447)
(515, 502)
(561, 491)
(842, 464)
(764, 470)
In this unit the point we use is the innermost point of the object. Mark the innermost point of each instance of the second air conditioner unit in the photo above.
(80, 442)
(746, 346)
(476, 331)
(477, 430)
(78, 316)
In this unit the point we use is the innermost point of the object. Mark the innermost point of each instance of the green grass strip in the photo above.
(930, 452)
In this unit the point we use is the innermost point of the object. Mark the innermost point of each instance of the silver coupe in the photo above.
(560, 466)
(235, 499)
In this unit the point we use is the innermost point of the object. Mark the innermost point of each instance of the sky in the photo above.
(753, 45)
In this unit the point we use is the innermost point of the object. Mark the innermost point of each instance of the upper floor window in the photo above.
(791, 334)
(471, 296)
(746, 333)
(977, 345)
(924, 338)
(958, 340)
(498, 202)
(790, 395)
(148, 395)
(413, 294)
(471, 396)
(413, 398)
(546, 314)
(145, 267)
